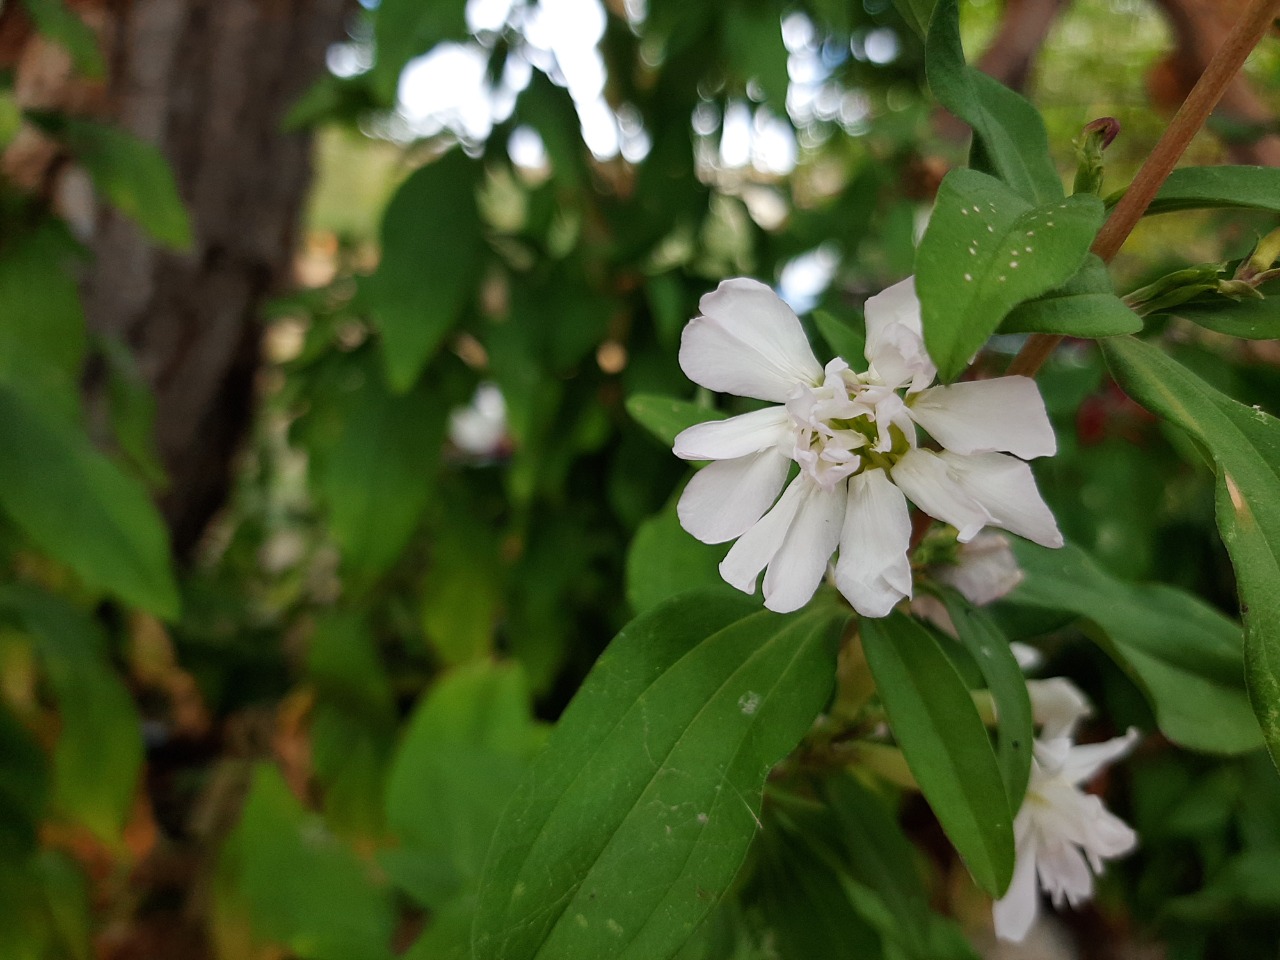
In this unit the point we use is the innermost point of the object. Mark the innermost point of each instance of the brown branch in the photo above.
(1191, 116)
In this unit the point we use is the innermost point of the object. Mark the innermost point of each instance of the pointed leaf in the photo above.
(1245, 445)
(132, 174)
(664, 417)
(79, 508)
(1181, 652)
(985, 251)
(98, 755)
(635, 819)
(1193, 188)
(65, 28)
(432, 246)
(1247, 319)
(1015, 730)
(945, 743)
(1009, 129)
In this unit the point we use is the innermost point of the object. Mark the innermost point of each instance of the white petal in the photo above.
(1015, 912)
(873, 571)
(758, 546)
(1005, 488)
(1064, 874)
(1084, 762)
(723, 499)
(983, 416)
(895, 339)
(927, 480)
(747, 342)
(797, 568)
(1028, 657)
(735, 437)
(1058, 705)
(985, 569)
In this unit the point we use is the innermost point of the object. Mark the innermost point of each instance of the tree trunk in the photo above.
(209, 82)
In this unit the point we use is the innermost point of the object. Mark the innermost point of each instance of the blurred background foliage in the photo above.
(296, 739)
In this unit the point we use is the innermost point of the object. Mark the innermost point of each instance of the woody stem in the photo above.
(1191, 116)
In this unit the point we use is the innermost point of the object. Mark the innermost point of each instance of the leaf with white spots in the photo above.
(986, 250)
(1245, 445)
(637, 816)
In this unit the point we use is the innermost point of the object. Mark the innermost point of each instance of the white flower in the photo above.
(983, 571)
(854, 438)
(480, 428)
(1062, 835)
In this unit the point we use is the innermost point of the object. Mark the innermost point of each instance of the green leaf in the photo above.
(297, 885)
(404, 29)
(945, 744)
(1008, 129)
(1245, 446)
(465, 748)
(98, 755)
(664, 417)
(635, 819)
(1193, 188)
(133, 411)
(24, 788)
(1085, 306)
(985, 251)
(753, 50)
(42, 331)
(463, 592)
(432, 254)
(65, 28)
(846, 340)
(665, 561)
(377, 473)
(79, 508)
(881, 857)
(1248, 319)
(801, 893)
(1182, 653)
(917, 14)
(1015, 728)
(352, 723)
(131, 174)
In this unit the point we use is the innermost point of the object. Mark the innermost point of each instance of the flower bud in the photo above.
(1094, 138)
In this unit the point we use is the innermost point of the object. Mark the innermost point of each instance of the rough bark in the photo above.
(210, 82)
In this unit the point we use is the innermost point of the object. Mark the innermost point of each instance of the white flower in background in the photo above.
(854, 437)
(983, 571)
(480, 428)
(1062, 834)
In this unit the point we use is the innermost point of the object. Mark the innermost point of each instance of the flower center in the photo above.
(846, 425)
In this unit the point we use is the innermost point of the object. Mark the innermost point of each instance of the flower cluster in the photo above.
(854, 438)
(1062, 835)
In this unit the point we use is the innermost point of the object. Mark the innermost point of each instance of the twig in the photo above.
(1191, 116)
